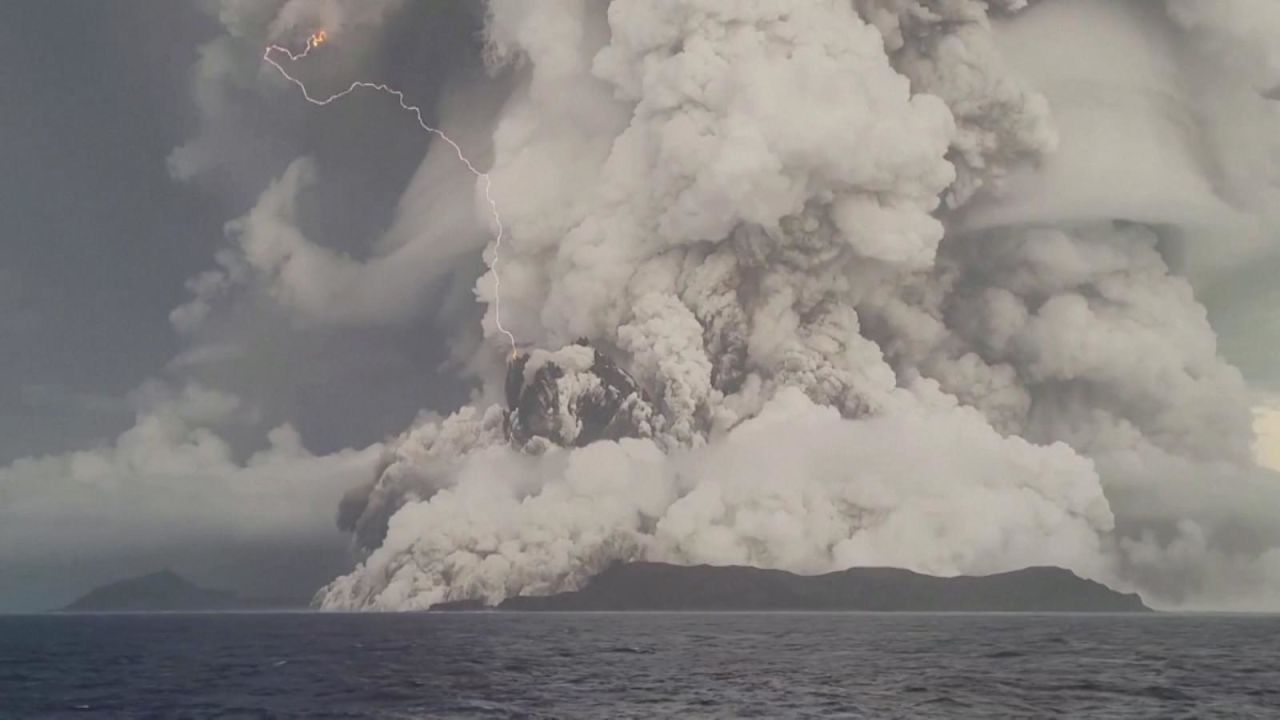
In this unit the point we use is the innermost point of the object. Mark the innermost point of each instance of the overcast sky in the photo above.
(98, 240)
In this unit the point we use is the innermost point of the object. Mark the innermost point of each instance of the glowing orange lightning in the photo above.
(321, 37)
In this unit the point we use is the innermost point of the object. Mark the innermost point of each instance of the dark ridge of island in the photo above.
(166, 591)
(645, 586)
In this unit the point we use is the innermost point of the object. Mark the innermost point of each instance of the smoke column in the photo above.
(903, 282)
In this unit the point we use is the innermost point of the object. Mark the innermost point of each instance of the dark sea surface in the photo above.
(695, 665)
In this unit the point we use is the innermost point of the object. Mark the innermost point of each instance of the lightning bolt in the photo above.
(319, 38)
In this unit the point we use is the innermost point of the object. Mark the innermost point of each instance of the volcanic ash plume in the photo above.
(801, 350)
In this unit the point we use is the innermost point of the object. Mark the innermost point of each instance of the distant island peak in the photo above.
(166, 591)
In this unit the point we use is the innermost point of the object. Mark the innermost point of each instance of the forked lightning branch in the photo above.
(320, 38)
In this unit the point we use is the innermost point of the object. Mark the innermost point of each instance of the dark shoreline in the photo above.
(661, 587)
(648, 587)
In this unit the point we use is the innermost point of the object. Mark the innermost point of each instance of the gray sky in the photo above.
(97, 242)
(97, 239)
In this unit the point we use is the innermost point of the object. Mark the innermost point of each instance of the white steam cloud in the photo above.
(170, 482)
(795, 487)
(747, 203)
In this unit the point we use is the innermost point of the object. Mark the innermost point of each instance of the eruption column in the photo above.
(319, 38)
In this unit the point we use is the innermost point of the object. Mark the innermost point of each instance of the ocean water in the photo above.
(695, 665)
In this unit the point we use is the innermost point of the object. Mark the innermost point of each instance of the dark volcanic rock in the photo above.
(658, 586)
(572, 398)
(164, 592)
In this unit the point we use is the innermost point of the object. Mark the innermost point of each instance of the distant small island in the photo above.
(166, 591)
(648, 586)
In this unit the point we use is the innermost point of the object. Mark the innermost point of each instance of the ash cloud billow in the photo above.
(822, 284)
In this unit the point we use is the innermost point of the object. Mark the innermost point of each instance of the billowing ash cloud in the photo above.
(893, 295)
(797, 487)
